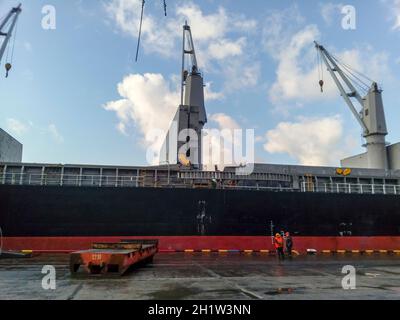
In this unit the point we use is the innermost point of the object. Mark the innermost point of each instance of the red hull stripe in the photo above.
(208, 243)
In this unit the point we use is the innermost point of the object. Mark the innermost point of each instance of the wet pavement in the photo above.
(210, 276)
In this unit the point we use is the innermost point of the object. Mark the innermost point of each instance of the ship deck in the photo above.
(209, 276)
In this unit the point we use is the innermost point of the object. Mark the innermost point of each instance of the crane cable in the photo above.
(10, 60)
(354, 70)
(5, 36)
(14, 40)
(140, 30)
(320, 70)
(356, 75)
(141, 23)
(356, 81)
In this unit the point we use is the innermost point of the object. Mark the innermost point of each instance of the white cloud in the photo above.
(297, 77)
(224, 48)
(16, 127)
(311, 141)
(396, 25)
(224, 121)
(204, 27)
(218, 36)
(329, 10)
(140, 106)
(210, 95)
(148, 102)
(242, 23)
(152, 113)
(369, 62)
(19, 128)
(162, 36)
(126, 15)
(241, 75)
(394, 6)
(278, 28)
(291, 45)
(52, 129)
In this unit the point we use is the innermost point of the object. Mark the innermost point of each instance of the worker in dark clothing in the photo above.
(289, 243)
(278, 243)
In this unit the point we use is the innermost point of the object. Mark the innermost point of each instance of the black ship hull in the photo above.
(87, 212)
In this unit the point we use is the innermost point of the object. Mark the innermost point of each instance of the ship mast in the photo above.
(7, 26)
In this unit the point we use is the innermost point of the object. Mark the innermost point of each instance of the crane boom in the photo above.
(333, 68)
(371, 117)
(13, 16)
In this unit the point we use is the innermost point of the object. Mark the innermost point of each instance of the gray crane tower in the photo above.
(180, 146)
(371, 116)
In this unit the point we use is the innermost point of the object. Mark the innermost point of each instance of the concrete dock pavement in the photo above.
(209, 276)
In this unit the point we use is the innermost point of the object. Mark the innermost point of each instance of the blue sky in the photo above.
(62, 99)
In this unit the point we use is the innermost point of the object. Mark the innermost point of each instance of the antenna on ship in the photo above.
(356, 88)
(7, 29)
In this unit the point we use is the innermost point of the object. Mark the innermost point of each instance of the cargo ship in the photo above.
(67, 207)
(63, 208)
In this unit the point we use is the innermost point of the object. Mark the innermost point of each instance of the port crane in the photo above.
(356, 88)
(7, 27)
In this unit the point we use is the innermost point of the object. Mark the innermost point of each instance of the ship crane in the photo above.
(355, 88)
(192, 84)
(191, 114)
(7, 27)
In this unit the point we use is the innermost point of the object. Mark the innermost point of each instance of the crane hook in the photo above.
(8, 68)
(321, 84)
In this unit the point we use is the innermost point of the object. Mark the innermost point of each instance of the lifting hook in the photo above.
(8, 68)
(321, 84)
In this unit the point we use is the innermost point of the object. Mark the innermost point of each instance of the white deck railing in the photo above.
(69, 180)
(162, 181)
(351, 188)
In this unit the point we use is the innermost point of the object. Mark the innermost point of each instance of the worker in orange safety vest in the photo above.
(278, 243)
